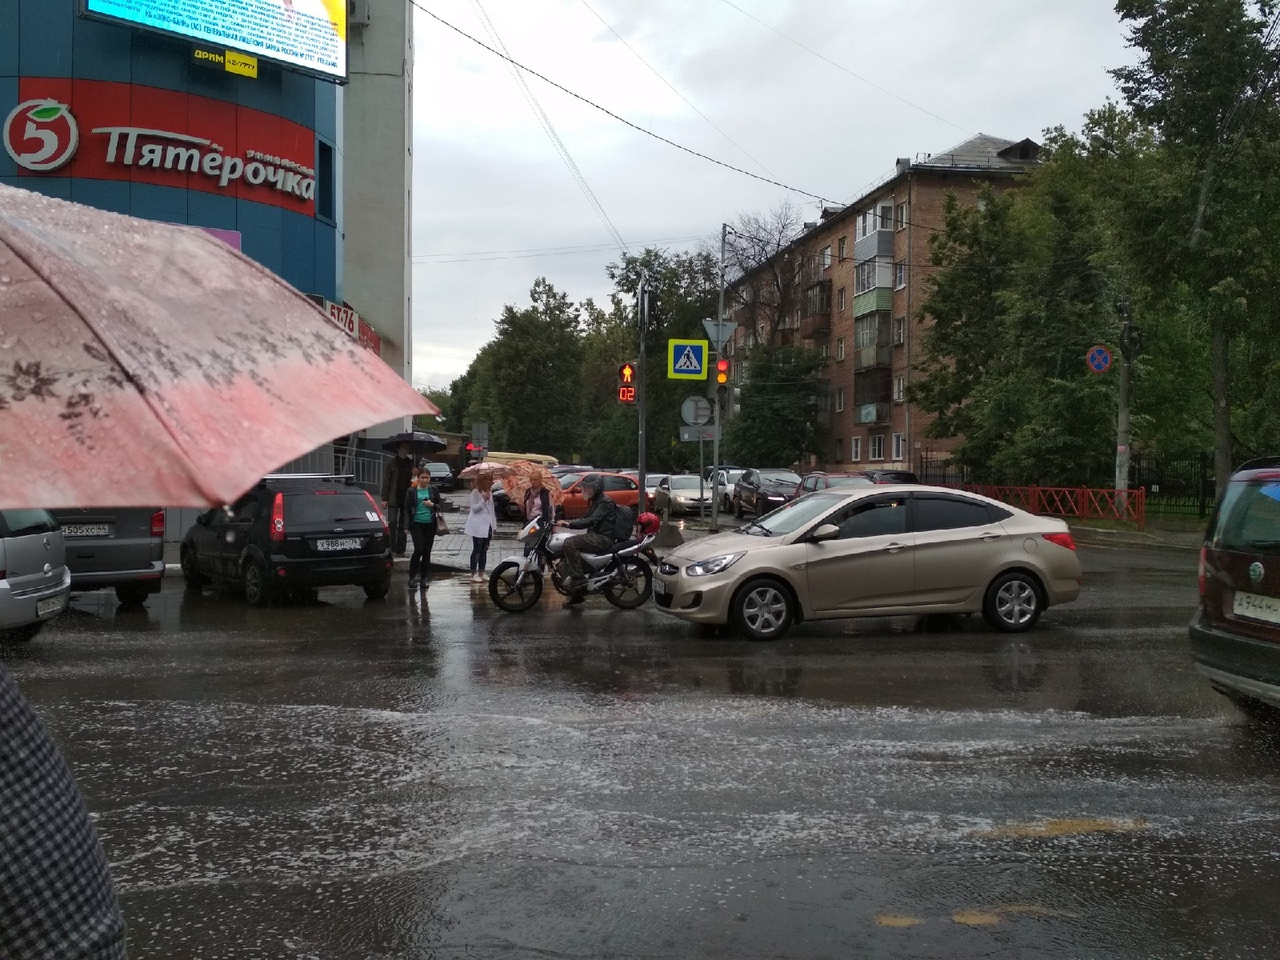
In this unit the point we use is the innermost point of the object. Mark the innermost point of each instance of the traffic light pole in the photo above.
(642, 295)
(715, 408)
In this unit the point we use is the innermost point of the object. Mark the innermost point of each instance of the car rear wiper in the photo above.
(1264, 544)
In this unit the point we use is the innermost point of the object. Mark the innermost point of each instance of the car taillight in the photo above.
(1204, 554)
(1061, 539)
(157, 524)
(373, 505)
(277, 517)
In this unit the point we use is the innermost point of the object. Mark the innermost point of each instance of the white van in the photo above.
(34, 579)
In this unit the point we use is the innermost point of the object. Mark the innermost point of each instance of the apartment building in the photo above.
(851, 287)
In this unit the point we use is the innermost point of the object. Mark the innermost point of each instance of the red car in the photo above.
(823, 480)
(618, 487)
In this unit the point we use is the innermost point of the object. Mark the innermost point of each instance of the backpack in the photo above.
(624, 521)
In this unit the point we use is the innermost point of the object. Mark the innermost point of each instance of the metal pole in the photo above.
(643, 304)
(715, 407)
(1123, 431)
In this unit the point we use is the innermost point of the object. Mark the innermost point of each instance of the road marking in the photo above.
(976, 918)
(1066, 827)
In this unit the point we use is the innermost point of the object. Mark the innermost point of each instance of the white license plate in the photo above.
(1255, 607)
(51, 605)
(341, 543)
(659, 588)
(85, 529)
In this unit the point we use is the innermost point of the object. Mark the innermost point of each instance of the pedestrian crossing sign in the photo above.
(687, 359)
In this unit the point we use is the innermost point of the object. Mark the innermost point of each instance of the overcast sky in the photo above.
(495, 205)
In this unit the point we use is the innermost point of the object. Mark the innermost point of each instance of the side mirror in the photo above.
(828, 531)
(203, 519)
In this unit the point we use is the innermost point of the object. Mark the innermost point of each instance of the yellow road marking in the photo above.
(975, 918)
(1066, 827)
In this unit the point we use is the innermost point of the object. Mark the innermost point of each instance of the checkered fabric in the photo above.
(56, 895)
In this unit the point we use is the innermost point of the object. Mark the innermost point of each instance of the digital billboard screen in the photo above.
(309, 35)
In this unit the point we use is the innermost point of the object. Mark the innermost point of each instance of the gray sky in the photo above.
(495, 206)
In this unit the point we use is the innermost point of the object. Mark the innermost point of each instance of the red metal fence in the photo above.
(1087, 503)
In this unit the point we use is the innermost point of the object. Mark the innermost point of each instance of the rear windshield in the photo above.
(686, 483)
(345, 507)
(21, 523)
(779, 476)
(1249, 518)
(438, 469)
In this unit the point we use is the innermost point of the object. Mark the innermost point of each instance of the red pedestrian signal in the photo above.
(627, 383)
(722, 371)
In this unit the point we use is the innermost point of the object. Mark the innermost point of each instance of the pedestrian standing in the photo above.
(481, 523)
(422, 502)
(396, 478)
(537, 501)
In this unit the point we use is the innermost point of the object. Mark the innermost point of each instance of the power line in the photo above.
(610, 113)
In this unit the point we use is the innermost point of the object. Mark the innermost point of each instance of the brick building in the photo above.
(851, 286)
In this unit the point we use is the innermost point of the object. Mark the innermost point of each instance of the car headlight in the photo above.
(705, 568)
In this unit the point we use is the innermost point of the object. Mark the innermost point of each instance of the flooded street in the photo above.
(396, 779)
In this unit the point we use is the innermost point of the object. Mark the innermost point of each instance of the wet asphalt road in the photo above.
(352, 779)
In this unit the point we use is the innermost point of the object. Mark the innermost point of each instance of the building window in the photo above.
(866, 332)
(839, 348)
(864, 277)
(901, 216)
(899, 330)
(899, 274)
(840, 299)
(886, 216)
(855, 449)
(823, 352)
(326, 183)
(826, 257)
(899, 388)
(839, 449)
(839, 399)
(899, 447)
(842, 248)
(876, 451)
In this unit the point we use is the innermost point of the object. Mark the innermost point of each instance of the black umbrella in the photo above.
(421, 442)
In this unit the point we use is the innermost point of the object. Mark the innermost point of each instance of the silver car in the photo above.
(874, 551)
(34, 579)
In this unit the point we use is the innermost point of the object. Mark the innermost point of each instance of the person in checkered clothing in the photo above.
(57, 899)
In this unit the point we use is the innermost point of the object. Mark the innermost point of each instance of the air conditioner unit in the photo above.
(357, 13)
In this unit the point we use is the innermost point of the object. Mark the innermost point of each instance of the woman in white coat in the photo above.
(482, 521)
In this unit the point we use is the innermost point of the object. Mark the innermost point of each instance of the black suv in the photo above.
(289, 535)
(1235, 635)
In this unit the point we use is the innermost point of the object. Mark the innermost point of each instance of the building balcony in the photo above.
(875, 355)
(815, 318)
(869, 413)
(875, 300)
(813, 327)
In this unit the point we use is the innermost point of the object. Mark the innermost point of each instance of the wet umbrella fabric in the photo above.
(143, 363)
(517, 481)
(492, 469)
(420, 441)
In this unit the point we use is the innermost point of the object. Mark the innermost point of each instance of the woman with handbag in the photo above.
(482, 521)
(423, 504)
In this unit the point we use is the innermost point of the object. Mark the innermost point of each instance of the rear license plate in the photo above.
(341, 543)
(1255, 607)
(659, 587)
(85, 529)
(49, 606)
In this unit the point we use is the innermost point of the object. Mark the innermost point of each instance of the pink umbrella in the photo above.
(143, 363)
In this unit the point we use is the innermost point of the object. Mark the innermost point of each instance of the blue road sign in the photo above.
(687, 359)
(1099, 359)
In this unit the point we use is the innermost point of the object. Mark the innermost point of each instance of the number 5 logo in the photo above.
(40, 135)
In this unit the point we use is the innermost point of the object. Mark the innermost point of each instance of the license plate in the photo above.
(1255, 607)
(341, 543)
(659, 588)
(49, 606)
(85, 529)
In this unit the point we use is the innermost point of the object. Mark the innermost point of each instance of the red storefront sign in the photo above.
(342, 316)
(120, 131)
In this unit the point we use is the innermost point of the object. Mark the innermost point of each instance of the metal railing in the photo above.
(1085, 503)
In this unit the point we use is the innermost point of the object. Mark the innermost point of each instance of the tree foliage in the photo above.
(779, 422)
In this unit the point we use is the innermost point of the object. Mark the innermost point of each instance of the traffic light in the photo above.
(722, 371)
(627, 383)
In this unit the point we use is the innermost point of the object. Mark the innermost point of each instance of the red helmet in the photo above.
(648, 523)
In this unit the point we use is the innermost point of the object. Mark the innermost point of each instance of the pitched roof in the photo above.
(984, 152)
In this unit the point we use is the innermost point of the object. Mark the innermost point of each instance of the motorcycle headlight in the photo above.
(705, 568)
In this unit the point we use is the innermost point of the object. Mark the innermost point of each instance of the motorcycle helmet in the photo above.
(593, 481)
(649, 523)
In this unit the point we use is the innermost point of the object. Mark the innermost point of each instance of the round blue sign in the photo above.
(1099, 359)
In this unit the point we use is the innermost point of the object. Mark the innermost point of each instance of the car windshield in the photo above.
(850, 481)
(1249, 518)
(569, 479)
(438, 469)
(794, 515)
(779, 476)
(686, 483)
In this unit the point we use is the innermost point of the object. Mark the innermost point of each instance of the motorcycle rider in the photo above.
(598, 522)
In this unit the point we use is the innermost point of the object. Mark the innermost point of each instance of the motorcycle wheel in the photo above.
(558, 577)
(631, 584)
(509, 592)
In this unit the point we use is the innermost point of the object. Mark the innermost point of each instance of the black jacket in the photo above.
(600, 518)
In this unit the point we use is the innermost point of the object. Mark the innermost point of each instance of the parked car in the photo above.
(120, 548)
(291, 534)
(684, 493)
(891, 476)
(34, 579)
(824, 480)
(651, 481)
(871, 552)
(760, 491)
(504, 507)
(441, 475)
(563, 468)
(724, 479)
(617, 488)
(1235, 634)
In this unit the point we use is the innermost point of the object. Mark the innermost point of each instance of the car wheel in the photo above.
(256, 589)
(511, 591)
(191, 569)
(132, 594)
(21, 634)
(726, 505)
(377, 589)
(762, 609)
(631, 586)
(737, 508)
(1013, 602)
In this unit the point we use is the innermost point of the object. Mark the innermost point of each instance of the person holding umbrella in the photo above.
(482, 521)
(396, 478)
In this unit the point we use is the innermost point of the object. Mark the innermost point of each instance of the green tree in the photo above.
(778, 425)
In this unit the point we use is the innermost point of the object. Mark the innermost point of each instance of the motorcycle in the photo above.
(622, 573)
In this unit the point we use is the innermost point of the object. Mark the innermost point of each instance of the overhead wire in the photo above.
(634, 126)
